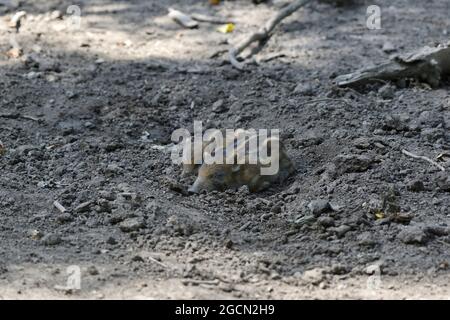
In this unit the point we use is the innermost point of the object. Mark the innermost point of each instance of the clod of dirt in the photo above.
(305, 89)
(438, 231)
(111, 240)
(412, 235)
(314, 276)
(51, 239)
(416, 186)
(341, 230)
(366, 239)
(352, 163)
(64, 218)
(318, 207)
(443, 181)
(325, 222)
(387, 92)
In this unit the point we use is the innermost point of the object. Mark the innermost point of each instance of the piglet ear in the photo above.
(236, 168)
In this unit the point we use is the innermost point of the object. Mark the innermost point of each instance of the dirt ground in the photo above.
(86, 117)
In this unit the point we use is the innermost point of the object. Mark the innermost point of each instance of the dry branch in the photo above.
(210, 19)
(412, 155)
(263, 34)
(426, 64)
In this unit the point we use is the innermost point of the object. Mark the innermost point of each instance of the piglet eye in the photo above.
(219, 175)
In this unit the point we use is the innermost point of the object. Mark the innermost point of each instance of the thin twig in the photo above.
(210, 19)
(158, 262)
(59, 206)
(16, 116)
(265, 32)
(415, 156)
(197, 282)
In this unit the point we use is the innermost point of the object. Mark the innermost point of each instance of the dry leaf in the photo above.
(226, 28)
(379, 215)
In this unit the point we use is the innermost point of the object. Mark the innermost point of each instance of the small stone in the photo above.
(305, 89)
(35, 234)
(137, 258)
(339, 269)
(131, 224)
(219, 106)
(388, 47)
(111, 240)
(92, 270)
(412, 235)
(51, 239)
(318, 207)
(55, 15)
(32, 75)
(112, 169)
(229, 244)
(107, 195)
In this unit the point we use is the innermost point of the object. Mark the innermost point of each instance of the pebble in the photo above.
(219, 106)
(305, 89)
(92, 270)
(111, 240)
